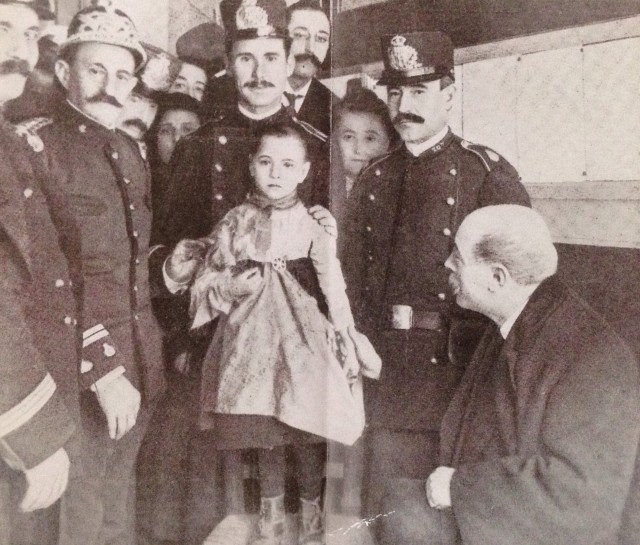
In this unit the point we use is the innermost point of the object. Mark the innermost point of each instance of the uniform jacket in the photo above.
(99, 186)
(543, 436)
(39, 357)
(316, 107)
(400, 225)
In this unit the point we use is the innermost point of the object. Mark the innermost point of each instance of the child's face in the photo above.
(279, 166)
(361, 137)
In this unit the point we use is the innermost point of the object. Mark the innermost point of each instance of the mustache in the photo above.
(15, 66)
(136, 123)
(258, 84)
(106, 98)
(412, 118)
(302, 57)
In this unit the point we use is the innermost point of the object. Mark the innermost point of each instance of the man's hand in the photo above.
(347, 354)
(439, 487)
(46, 482)
(120, 402)
(185, 260)
(325, 219)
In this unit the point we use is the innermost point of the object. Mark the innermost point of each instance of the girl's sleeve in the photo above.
(210, 294)
(323, 254)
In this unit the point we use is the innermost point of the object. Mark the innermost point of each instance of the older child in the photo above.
(273, 376)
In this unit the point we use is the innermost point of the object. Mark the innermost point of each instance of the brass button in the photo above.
(132, 207)
(82, 128)
(451, 201)
(135, 288)
(27, 192)
(447, 232)
(68, 320)
(368, 228)
(218, 197)
(370, 258)
(223, 139)
(442, 296)
(135, 234)
(59, 283)
(136, 317)
(372, 197)
(127, 181)
(115, 155)
(137, 261)
(453, 172)
(218, 167)
(434, 360)
(378, 172)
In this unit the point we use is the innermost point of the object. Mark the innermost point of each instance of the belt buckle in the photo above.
(401, 316)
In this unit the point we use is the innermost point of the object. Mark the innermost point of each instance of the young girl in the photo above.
(272, 377)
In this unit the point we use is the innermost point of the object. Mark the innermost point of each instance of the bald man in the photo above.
(539, 442)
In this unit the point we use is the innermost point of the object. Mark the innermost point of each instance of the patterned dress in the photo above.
(271, 376)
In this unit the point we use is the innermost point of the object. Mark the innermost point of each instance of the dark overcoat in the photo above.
(316, 107)
(544, 437)
(400, 222)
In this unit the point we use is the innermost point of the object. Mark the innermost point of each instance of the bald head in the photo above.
(514, 236)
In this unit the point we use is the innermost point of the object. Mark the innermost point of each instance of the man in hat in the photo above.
(100, 184)
(210, 168)
(405, 210)
(310, 33)
(540, 439)
(38, 356)
(201, 52)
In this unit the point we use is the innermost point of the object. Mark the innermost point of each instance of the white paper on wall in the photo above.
(612, 96)
(489, 104)
(550, 116)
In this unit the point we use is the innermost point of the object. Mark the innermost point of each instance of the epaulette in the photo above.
(488, 157)
(308, 127)
(28, 130)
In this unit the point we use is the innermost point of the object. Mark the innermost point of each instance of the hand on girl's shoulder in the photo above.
(324, 218)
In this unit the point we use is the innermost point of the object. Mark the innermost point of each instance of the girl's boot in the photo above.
(312, 527)
(270, 530)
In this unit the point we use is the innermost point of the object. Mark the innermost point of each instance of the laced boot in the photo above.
(270, 529)
(312, 526)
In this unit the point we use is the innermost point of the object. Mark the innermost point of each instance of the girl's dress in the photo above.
(271, 376)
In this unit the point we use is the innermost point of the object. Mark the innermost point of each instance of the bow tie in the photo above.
(292, 98)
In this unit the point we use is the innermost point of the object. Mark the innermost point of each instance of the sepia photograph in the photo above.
(320, 272)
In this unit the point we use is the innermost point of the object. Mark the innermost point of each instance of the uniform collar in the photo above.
(79, 113)
(433, 145)
(260, 117)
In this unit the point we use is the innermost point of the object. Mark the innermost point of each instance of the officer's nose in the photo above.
(18, 47)
(404, 104)
(109, 86)
(449, 263)
(259, 69)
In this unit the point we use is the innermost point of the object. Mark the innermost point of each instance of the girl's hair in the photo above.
(361, 100)
(280, 130)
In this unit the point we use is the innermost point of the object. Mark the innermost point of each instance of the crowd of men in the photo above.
(507, 409)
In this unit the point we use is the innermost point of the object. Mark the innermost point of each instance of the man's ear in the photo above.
(499, 277)
(291, 64)
(132, 83)
(449, 94)
(63, 71)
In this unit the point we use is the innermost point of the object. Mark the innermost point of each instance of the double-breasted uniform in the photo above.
(98, 185)
(401, 223)
(39, 349)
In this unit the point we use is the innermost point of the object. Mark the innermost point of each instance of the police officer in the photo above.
(38, 352)
(100, 185)
(404, 213)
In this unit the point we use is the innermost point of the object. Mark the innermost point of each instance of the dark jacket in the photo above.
(39, 359)
(100, 189)
(401, 221)
(544, 436)
(316, 107)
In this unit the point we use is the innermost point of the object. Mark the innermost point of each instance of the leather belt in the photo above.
(406, 317)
